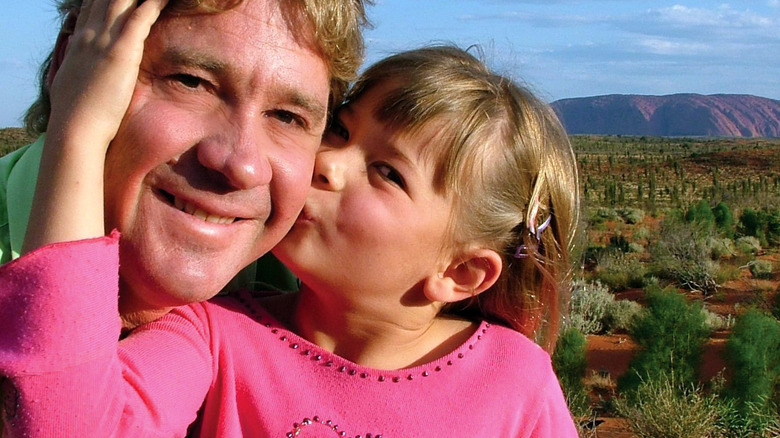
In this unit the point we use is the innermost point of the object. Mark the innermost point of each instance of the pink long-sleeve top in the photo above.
(234, 371)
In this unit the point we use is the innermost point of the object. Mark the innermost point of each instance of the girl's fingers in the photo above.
(140, 22)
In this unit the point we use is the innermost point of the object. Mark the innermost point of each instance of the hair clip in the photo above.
(522, 249)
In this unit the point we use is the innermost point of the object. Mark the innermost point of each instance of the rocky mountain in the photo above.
(718, 115)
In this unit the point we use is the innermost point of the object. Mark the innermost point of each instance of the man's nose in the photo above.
(240, 153)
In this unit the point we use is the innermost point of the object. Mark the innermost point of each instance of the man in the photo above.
(213, 159)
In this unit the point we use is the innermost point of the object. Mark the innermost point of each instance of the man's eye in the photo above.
(287, 117)
(188, 81)
(390, 174)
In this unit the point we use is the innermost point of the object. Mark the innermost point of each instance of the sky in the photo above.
(558, 48)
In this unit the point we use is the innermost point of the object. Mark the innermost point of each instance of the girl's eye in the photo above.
(187, 80)
(338, 129)
(390, 174)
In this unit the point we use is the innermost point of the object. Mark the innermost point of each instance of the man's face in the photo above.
(214, 157)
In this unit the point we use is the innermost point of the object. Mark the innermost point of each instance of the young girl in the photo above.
(435, 238)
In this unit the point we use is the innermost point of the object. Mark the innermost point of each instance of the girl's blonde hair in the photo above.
(507, 163)
(337, 34)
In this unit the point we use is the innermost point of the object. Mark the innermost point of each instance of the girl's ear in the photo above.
(61, 46)
(469, 275)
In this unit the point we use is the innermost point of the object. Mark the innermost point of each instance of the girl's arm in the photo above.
(90, 93)
(62, 372)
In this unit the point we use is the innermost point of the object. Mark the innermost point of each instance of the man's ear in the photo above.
(468, 275)
(61, 46)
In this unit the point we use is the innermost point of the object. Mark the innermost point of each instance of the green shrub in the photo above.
(748, 245)
(621, 315)
(589, 304)
(760, 268)
(753, 353)
(713, 321)
(569, 364)
(618, 242)
(607, 214)
(750, 223)
(724, 219)
(641, 233)
(666, 408)
(721, 248)
(635, 248)
(671, 334)
(726, 273)
(776, 303)
(682, 255)
(631, 215)
(750, 421)
(701, 213)
(763, 224)
(619, 271)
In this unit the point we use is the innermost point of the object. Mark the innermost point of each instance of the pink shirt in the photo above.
(67, 376)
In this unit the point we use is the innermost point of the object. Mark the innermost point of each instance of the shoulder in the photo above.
(513, 344)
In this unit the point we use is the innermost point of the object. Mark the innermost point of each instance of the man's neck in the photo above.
(133, 319)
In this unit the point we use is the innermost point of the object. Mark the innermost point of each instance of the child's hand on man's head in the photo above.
(95, 67)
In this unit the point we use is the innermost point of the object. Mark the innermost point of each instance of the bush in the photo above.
(752, 421)
(621, 315)
(764, 225)
(666, 408)
(589, 304)
(750, 223)
(671, 333)
(701, 213)
(635, 248)
(724, 219)
(569, 364)
(713, 321)
(727, 272)
(721, 248)
(753, 352)
(641, 233)
(619, 270)
(631, 215)
(760, 268)
(607, 214)
(682, 255)
(748, 245)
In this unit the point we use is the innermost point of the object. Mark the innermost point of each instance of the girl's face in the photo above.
(373, 222)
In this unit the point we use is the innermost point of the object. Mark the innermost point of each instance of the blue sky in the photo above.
(560, 48)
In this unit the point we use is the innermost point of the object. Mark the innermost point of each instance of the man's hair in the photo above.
(337, 35)
(504, 158)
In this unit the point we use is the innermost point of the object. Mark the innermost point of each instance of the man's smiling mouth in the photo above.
(199, 213)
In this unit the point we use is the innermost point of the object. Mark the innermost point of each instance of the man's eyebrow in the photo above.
(191, 58)
(309, 104)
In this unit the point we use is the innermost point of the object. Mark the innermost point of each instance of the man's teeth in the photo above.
(200, 214)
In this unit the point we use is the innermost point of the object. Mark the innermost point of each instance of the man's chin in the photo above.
(161, 285)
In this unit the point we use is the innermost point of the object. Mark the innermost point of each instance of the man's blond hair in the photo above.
(336, 26)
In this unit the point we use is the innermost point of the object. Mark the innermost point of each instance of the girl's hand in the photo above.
(90, 94)
(93, 85)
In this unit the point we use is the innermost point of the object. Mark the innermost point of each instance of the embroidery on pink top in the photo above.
(313, 427)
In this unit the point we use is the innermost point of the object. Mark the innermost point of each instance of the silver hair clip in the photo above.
(536, 234)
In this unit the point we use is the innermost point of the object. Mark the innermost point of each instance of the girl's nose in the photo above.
(330, 168)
